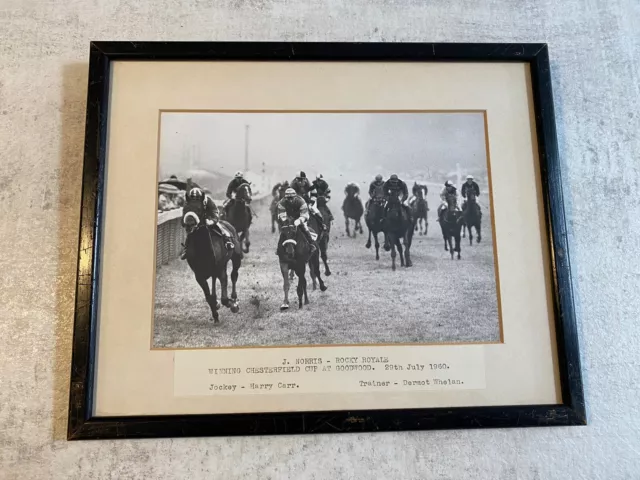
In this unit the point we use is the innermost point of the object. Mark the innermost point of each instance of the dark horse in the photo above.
(398, 225)
(240, 215)
(294, 253)
(375, 221)
(472, 217)
(323, 239)
(353, 209)
(451, 223)
(208, 258)
(420, 209)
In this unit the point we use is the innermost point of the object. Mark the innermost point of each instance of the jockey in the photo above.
(415, 190)
(394, 187)
(320, 187)
(282, 187)
(302, 186)
(469, 186)
(449, 189)
(293, 207)
(232, 189)
(196, 197)
(376, 188)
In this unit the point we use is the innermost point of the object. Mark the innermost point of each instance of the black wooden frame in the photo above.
(82, 425)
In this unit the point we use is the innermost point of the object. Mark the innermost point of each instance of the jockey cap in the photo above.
(290, 192)
(393, 177)
(447, 183)
(469, 177)
(319, 176)
(303, 175)
(196, 193)
(238, 174)
(378, 178)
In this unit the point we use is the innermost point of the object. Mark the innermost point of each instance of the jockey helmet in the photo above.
(447, 183)
(378, 178)
(469, 177)
(196, 193)
(393, 177)
(238, 175)
(302, 175)
(319, 176)
(290, 193)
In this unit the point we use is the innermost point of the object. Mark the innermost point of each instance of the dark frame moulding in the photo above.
(81, 422)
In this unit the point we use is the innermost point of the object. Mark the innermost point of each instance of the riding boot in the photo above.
(320, 221)
(307, 235)
(228, 240)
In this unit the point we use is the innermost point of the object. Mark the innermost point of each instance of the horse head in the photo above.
(288, 234)
(190, 220)
(244, 193)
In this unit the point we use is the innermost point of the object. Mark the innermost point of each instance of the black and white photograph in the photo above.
(324, 228)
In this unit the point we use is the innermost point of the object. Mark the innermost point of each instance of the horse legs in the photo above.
(377, 246)
(392, 245)
(478, 231)
(302, 285)
(224, 286)
(323, 253)
(273, 224)
(315, 261)
(247, 242)
(400, 251)
(469, 226)
(368, 245)
(457, 249)
(450, 242)
(407, 250)
(359, 225)
(346, 226)
(284, 269)
(211, 299)
(236, 261)
(312, 273)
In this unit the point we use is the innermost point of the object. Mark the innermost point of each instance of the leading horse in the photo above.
(472, 217)
(208, 257)
(451, 223)
(353, 209)
(398, 226)
(294, 252)
(375, 221)
(239, 214)
(323, 239)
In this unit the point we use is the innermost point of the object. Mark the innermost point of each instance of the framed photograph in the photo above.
(321, 237)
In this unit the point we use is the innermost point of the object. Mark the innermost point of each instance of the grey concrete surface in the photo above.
(595, 51)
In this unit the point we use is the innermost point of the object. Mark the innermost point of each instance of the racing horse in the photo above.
(374, 219)
(398, 226)
(472, 217)
(239, 214)
(420, 207)
(352, 209)
(208, 257)
(294, 253)
(451, 223)
(323, 239)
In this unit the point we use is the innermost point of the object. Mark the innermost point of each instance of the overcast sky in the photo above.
(360, 144)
